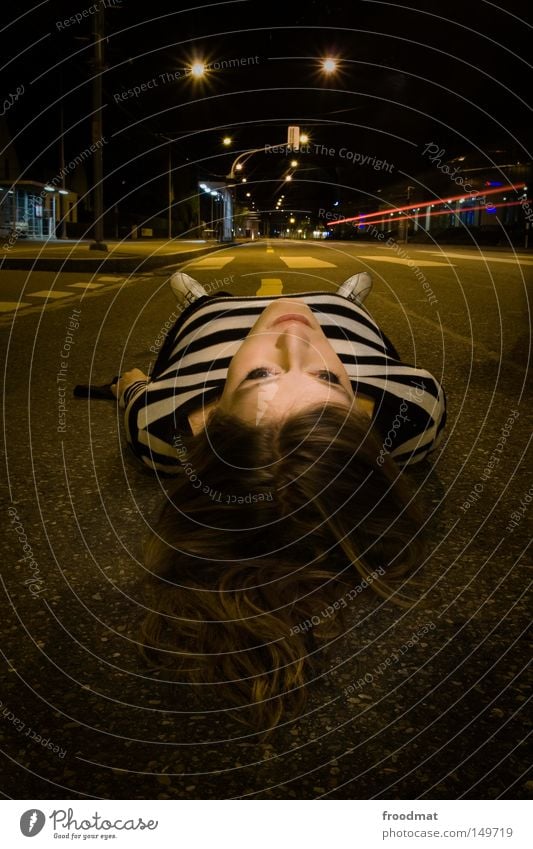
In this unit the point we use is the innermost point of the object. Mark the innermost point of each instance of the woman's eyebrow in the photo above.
(242, 388)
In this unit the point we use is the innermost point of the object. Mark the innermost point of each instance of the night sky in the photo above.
(453, 73)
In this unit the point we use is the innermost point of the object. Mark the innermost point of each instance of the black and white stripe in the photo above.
(156, 412)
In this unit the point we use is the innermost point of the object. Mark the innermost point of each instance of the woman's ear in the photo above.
(198, 418)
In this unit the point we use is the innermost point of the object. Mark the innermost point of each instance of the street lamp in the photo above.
(227, 140)
(294, 163)
(198, 69)
(329, 65)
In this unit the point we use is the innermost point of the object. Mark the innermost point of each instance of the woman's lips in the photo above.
(291, 316)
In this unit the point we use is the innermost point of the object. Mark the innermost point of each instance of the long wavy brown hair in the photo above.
(267, 529)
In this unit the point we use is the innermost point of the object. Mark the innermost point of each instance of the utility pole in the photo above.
(63, 190)
(170, 193)
(97, 135)
(409, 190)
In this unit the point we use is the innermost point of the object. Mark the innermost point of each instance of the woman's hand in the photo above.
(126, 380)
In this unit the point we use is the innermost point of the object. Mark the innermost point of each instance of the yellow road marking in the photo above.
(422, 263)
(11, 306)
(270, 286)
(51, 293)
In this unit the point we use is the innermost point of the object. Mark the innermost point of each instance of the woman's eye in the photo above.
(258, 372)
(329, 376)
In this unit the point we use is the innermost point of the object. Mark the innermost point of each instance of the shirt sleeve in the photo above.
(411, 419)
(150, 435)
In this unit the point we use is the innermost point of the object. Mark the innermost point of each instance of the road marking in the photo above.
(270, 250)
(516, 260)
(306, 262)
(270, 286)
(102, 278)
(50, 293)
(211, 262)
(10, 306)
(86, 285)
(409, 262)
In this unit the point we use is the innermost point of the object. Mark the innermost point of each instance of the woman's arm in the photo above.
(127, 379)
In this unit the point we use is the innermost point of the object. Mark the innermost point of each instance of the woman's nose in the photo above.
(293, 345)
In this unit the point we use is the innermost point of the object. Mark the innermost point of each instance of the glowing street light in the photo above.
(294, 163)
(329, 66)
(198, 69)
(288, 178)
(304, 138)
(238, 166)
(227, 140)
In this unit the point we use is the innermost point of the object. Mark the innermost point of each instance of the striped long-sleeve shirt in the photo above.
(409, 403)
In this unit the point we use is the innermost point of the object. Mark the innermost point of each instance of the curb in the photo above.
(135, 264)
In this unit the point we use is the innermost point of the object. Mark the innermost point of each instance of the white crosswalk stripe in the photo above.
(421, 263)
(306, 262)
(102, 278)
(211, 262)
(516, 260)
(86, 285)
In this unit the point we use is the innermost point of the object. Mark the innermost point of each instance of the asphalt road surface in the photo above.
(82, 718)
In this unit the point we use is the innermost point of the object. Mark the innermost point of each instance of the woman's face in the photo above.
(285, 364)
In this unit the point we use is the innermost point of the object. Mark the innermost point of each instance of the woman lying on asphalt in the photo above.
(285, 421)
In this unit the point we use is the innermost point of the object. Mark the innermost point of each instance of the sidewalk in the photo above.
(132, 256)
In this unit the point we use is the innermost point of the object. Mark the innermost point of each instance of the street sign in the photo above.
(293, 138)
